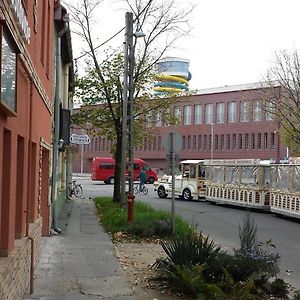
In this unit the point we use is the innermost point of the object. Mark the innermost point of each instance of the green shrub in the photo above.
(147, 222)
(280, 289)
(191, 250)
(247, 234)
(253, 258)
(296, 295)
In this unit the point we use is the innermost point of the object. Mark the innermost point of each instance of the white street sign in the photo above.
(80, 139)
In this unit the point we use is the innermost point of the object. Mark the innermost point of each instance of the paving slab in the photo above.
(80, 263)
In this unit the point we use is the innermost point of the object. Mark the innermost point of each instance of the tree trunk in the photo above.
(117, 184)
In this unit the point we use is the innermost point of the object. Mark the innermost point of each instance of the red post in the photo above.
(130, 207)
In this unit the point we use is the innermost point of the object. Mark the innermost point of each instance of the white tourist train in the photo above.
(242, 182)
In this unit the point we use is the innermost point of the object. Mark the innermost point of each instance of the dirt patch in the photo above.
(137, 259)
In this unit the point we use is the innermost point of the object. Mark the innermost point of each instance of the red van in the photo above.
(103, 169)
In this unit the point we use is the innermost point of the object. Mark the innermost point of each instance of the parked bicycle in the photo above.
(136, 189)
(75, 189)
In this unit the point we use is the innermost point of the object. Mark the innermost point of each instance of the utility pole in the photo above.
(128, 30)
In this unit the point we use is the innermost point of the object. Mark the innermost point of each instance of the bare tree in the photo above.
(163, 23)
(282, 96)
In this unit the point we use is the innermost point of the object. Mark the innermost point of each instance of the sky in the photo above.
(232, 41)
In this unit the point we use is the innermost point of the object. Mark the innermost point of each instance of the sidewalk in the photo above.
(81, 262)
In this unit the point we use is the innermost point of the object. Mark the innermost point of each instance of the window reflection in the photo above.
(8, 74)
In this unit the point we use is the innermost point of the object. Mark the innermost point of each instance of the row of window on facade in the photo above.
(205, 114)
(9, 51)
(199, 142)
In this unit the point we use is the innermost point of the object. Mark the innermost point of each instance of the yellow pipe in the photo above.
(172, 78)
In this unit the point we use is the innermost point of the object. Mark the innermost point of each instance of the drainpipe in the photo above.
(56, 121)
(31, 278)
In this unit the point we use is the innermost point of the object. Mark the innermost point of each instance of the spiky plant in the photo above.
(247, 234)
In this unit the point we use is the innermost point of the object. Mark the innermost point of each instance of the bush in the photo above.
(147, 222)
(191, 250)
(296, 295)
(279, 288)
(253, 258)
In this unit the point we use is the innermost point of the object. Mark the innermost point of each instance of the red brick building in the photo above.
(227, 122)
(27, 29)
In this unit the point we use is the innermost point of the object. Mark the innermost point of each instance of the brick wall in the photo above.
(15, 269)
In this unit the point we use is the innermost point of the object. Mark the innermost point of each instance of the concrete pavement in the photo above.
(80, 263)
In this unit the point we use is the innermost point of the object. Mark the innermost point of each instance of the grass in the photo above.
(147, 222)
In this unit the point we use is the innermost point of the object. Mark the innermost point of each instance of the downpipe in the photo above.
(56, 122)
(31, 264)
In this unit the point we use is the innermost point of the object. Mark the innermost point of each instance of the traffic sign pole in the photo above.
(173, 179)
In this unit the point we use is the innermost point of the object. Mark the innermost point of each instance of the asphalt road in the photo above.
(221, 223)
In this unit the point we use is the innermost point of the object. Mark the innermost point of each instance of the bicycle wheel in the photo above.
(145, 190)
(136, 189)
(78, 191)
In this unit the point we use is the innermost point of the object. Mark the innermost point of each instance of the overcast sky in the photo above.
(232, 41)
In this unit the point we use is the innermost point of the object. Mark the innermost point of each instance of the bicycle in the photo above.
(75, 189)
(144, 190)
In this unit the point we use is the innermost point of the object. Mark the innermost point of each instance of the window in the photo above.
(187, 119)
(244, 111)
(199, 142)
(269, 110)
(253, 140)
(8, 74)
(194, 142)
(177, 113)
(228, 141)
(240, 141)
(183, 142)
(208, 113)
(159, 143)
(205, 142)
(198, 114)
(259, 141)
(222, 141)
(220, 112)
(273, 140)
(189, 142)
(246, 141)
(257, 111)
(232, 112)
(216, 142)
(158, 119)
(234, 141)
(266, 140)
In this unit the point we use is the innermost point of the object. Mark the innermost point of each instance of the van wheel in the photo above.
(187, 195)
(111, 180)
(161, 192)
(151, 180)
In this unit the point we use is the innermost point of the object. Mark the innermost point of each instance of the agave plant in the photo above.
(190, 250)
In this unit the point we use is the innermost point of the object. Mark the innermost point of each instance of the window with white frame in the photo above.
(158, 119)
(208, 113)
(177, 113)
(257, 111)
(198, 114)
(270, 107)
(220, 112)
(244, 111)
(187, 116)
(231, 112)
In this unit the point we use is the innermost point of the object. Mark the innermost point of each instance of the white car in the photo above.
(163, 186)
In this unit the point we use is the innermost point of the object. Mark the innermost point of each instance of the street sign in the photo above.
(80, 139)
(177, 142)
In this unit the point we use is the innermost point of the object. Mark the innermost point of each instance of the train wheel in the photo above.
(186, 194)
